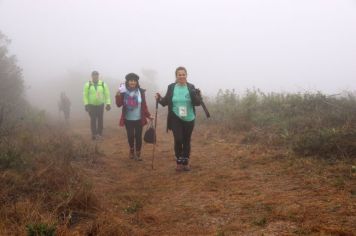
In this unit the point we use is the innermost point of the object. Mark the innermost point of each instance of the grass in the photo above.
(134, 207)
(41, 229)
(262, 221)
(309, 124)
(242, 188)
(39, 182)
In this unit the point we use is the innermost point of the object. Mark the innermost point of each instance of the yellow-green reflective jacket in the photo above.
(96, 95)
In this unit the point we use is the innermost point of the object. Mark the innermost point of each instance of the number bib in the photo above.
(182, 111)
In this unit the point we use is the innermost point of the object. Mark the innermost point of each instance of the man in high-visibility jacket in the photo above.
(96, 95)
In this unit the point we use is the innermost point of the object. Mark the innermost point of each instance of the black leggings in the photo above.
(96, 114)
(182, 132)
(134, 133)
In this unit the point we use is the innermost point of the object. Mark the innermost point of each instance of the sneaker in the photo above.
(93, 137)
(131, 154)
(99, 137)
(138, 156)
(179, 167)
(186, 168)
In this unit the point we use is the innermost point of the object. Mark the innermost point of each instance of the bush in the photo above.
(309, 123)
(325, 142)
(10, 157)
(12, 103)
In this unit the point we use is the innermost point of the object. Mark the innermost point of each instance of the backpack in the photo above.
(91, 84)
(150, 134)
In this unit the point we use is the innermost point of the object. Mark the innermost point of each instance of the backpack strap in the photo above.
(91, 83)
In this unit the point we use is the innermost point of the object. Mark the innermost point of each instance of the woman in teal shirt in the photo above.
(181, 98)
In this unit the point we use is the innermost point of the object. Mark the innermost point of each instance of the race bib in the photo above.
(182, 111)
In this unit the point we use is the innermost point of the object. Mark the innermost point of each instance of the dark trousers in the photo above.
(134, 133)
(96, 114)
(66, 113)
(182, 132)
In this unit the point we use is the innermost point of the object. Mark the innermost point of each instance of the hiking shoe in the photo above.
(179, 167)
(186, 168)
(138, 156)
(131, 154)
(99, 137)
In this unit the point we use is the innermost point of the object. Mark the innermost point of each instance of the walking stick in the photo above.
(155, 137)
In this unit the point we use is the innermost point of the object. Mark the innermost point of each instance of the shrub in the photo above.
(308, 123)
(10, 157)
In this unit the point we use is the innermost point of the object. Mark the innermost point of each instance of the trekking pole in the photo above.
(155, 137)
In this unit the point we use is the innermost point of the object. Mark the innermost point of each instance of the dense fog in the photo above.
(282, 46)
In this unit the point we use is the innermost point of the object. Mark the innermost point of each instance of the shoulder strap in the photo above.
(91, 83)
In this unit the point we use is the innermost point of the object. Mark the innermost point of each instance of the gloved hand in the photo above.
(122, 88)
(87, 108)
(108, 107)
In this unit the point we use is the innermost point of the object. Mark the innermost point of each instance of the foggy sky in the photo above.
(274, 45)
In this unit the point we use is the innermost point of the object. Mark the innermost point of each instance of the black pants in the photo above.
(66, 113)
(182, 132)
(96, 114)
(134, 133)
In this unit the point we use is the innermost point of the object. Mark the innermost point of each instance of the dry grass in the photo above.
(41, 188)
(234, 188)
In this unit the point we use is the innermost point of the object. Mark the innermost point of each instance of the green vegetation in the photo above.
(134, 207)
(307, 123)
(41, 230)
(37, 163)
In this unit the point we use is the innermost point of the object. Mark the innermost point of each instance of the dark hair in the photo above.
(132, 76)
(181, 68)
(94, 73)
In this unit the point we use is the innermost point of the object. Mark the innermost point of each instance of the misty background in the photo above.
(276, 45)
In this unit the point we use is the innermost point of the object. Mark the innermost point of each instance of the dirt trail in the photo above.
(232, 189)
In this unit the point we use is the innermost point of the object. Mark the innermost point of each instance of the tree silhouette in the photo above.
(12, 86)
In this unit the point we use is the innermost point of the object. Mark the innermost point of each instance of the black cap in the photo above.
(94, 73)
(132, 76)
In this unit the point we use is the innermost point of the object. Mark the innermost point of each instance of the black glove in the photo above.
(108, 107)
(87, 108)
